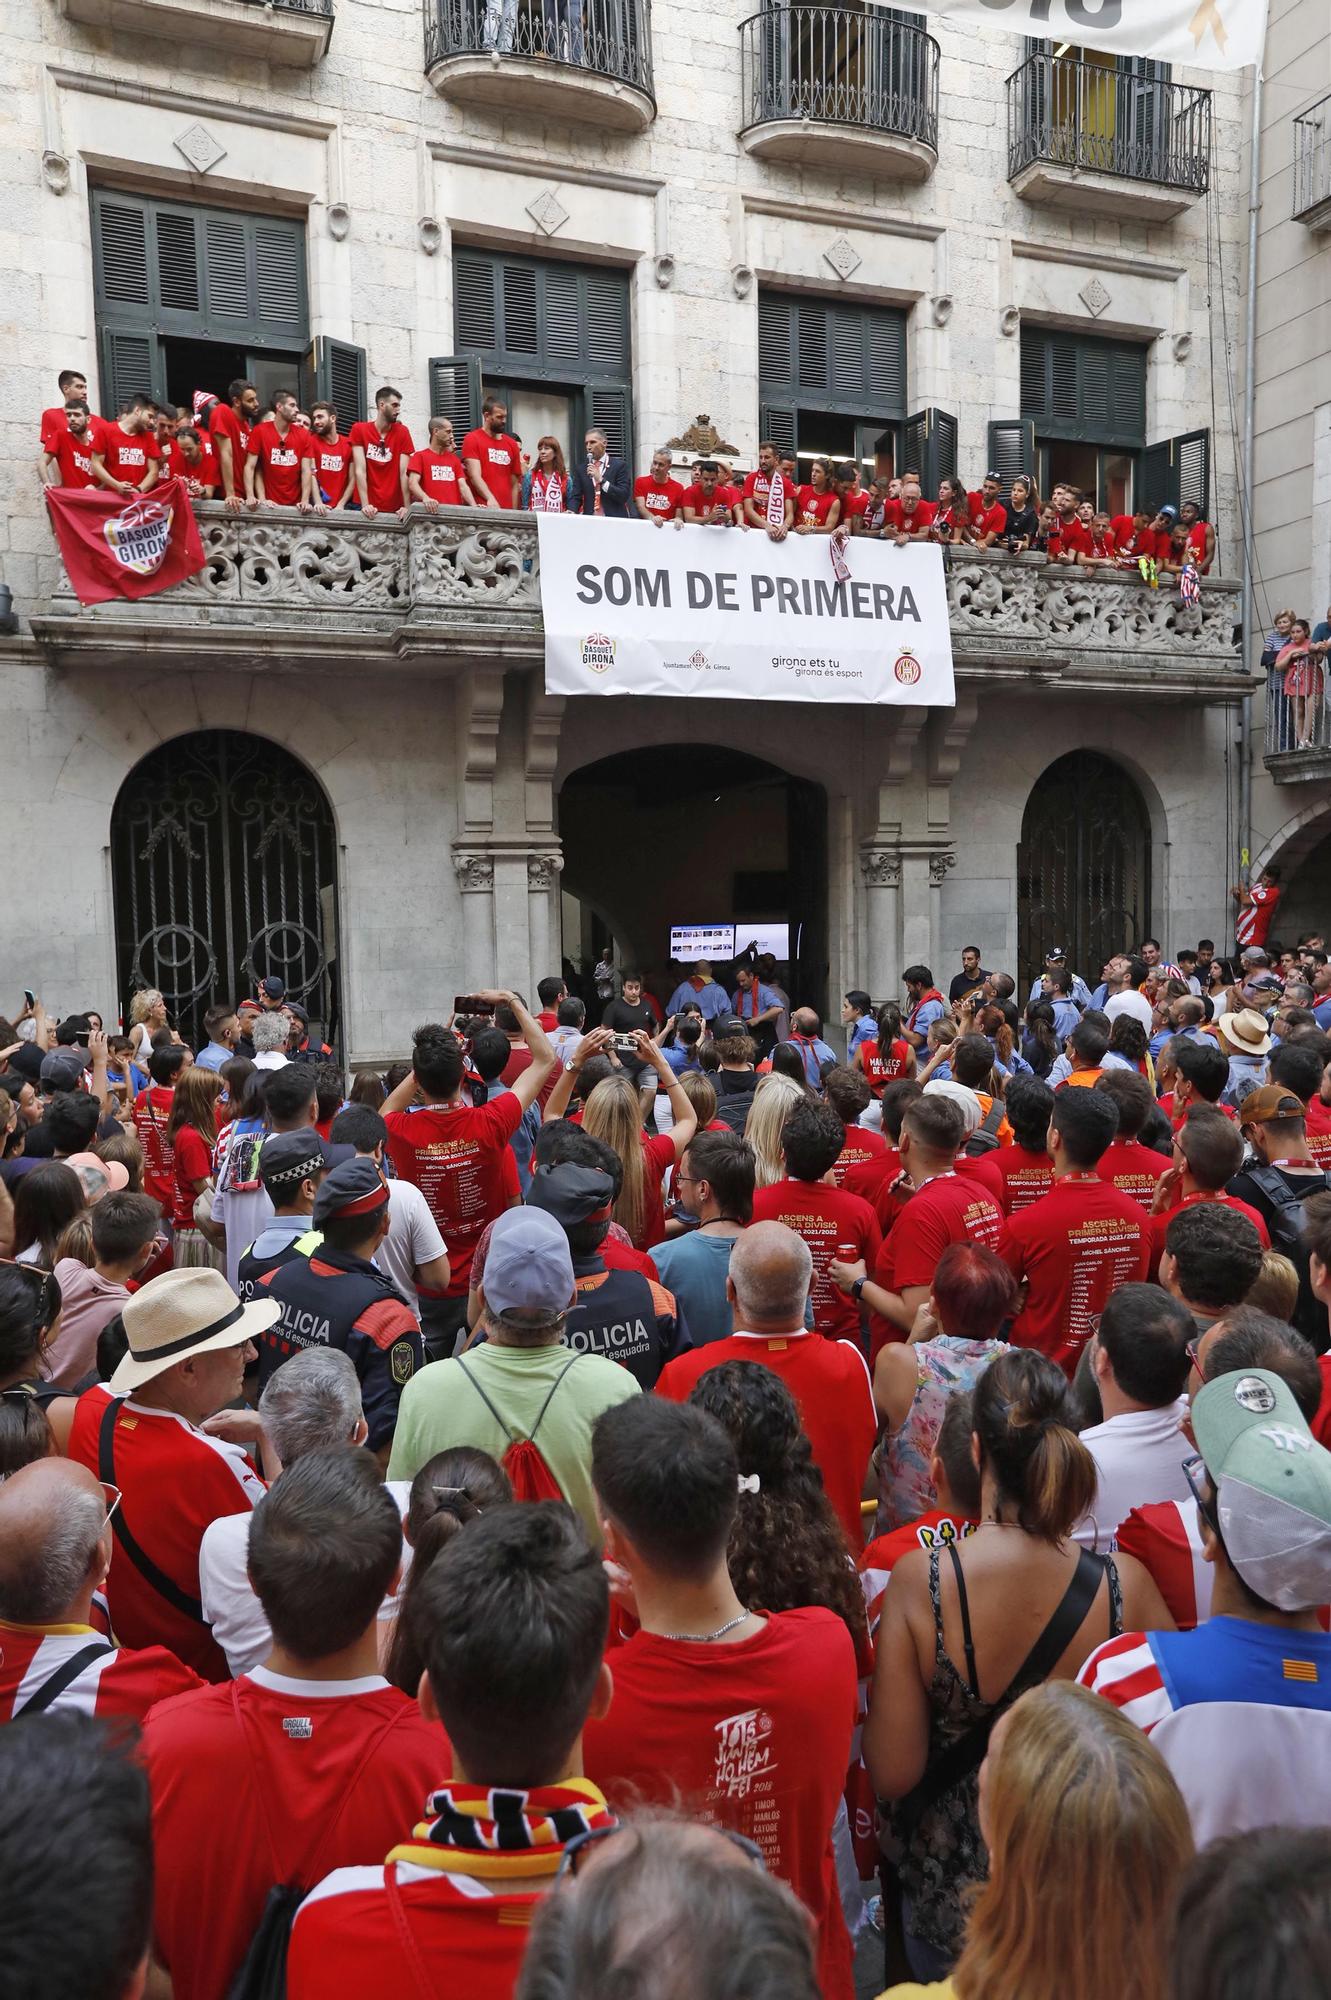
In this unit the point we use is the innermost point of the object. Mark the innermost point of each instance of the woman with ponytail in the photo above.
(966, 1632)
(449, 1491)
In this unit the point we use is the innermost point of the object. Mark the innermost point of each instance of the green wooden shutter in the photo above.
(199, 273)
(340, 379)
(610, 409)
(1157, 480)
(1083, 387)
(475, 308)
(929, 447)
(130, 367)
(455, 392)
(777, 423)
(1176, 470)
(1193, 455)
(120, 255)
(1012, 449)
(831, 356)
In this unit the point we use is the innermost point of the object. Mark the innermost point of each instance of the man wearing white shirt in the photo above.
(1139, 1358)
(270, 1034)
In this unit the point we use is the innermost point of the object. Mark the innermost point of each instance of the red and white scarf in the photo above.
(776, 501)
(836, 547)
(549, 489)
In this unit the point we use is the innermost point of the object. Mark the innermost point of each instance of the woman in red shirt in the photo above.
(614, 1113)
(191, 1132)
(546, 486)
(953, 513)
(888, 1058)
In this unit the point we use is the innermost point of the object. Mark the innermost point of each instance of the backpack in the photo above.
(529, 1475)
(1287, 1227)
(984, 1139)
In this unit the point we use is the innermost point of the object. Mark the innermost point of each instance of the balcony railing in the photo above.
(1298, 729)
(840, 66)
(603, 38)
(1085, 117)
(1312, 163)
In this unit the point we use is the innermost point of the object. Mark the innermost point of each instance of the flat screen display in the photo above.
(767, 937)
(713, 942)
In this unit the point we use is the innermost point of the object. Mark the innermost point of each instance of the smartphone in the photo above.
(468, 1005)
(29, 997)
(625, 1045)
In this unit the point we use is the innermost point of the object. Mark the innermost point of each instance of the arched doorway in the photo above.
(224, 870)
(1083, 866)
(682, 834)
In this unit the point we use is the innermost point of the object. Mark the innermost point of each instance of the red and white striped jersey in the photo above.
(1166, 1539)
(115, 1682)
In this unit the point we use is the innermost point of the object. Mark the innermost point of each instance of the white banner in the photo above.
(1202, 34)
(634, 609)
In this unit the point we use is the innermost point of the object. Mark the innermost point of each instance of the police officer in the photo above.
(291, 1166)
(336, 1297)
(305, 1050)
(620, 1315)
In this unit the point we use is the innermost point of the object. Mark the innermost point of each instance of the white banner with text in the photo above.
(693, 610)
(1203, 34)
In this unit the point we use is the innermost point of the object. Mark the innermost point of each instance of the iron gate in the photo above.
(224, 870)
(1083, 866)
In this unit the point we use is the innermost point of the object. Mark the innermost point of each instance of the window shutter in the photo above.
(279, 278)
(1012, 449)
(455, 392)
(120, 251)
(929, 447)
(561, 319)
(885, 361)
(1158, 483)
(177, 261)
(1084, 387)
(811, 337)
(522, 314)
(776, 424)
(610, 410)
(606, 321)
(1034, 396)
(776, 327)
(340, 379)
(1193, 456)
(128, 367)
(849, 359)
(227, 265)
(1176, 470)
(475, 316)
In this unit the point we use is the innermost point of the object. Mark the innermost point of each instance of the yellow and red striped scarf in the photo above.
(483, 1830)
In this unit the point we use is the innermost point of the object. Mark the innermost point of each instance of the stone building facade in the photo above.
(882, 236)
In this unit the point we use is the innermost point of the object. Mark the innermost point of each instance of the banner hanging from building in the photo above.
(1202, 34)
(114, 546)
(694, 610)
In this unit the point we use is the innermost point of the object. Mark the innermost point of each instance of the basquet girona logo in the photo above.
(598, 652)
(139, 536)
(907, 669)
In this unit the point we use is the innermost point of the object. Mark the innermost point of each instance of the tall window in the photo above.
(1087, 399)
(832, 379)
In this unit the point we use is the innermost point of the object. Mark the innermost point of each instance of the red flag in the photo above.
(116, 545)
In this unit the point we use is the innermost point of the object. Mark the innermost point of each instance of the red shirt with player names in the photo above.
(917, 522)
(223, 422)
(812, 508)
(280, 459)
(456, 1155)
(662, 500)
(152, 1110)
(128, 457)
(116, 1682)
(1070, 534)
(333, 1770)
(1074, 1246)
(332, 466)
(384, 453)
(73, 457)
(833, 1224)
(441, 475)
(500, 460)
(1317, 1131)
(1133, 1169)
(699, 503)
(175, 1481)
(1018, 1177)
(953, 1207)
(861, 1145)
(755, 1736)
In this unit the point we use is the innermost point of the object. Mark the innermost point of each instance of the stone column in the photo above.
(543, 913)
(917, 898)
(881, 868)
(938, 867)
(476, 876)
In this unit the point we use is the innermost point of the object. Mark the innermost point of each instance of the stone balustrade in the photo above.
(337, 591)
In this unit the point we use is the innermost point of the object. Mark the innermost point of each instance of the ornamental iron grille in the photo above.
(224, 871)
(1083, 866)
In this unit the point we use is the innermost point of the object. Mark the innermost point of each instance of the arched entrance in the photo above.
(224, 870)
(694, 834)
(1083, 866)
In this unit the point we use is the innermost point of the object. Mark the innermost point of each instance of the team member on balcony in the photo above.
(493, 459)
(855, 501)
(819, 504)
(759, 509)
(989, 515)
(952, 515)
(1103, 552)
(195, 463)
(230, 428)
(1069, 536)
(73, 388)
(602, 484)
(127, 458)
(910, 517)
(67, 449)
(1023, 515)
(330, 460)
(278, 467)
(1201, 537)
(545, 490)
(380, 450)
(435, 476)
(656, 495)
(709, 499)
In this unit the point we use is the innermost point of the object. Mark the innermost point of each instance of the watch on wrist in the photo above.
(857, 1289)
(569, 1064)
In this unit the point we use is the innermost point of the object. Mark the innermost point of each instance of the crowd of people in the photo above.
(638, 1497)
(251, 457)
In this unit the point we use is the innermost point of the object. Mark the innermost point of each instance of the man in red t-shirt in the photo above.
(435, 476)
(229, 426)
(279, 463)
(493, 459)
(330, 460)
(67, 460)
(380, 450)
(1201, 536)
(1208, 1152)
(909, 518)
(189, 1341)
(308, 1762)
(1069, 536)
(1020, 1173)
(656, 495)
(73, 386)
(767, 1287)
(195, 463)
(708, 500)
(127, 456)
(457, 1153)
(55, 1551)
(847, 1091)
(988, 522)
(513, 1693)
(1080, 1241)
(758, 493)
(833, 1223)
(744, 1716)
(1257, 907)
(1126, 1164)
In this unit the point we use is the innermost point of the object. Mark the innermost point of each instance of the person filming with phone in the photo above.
(628, 1016)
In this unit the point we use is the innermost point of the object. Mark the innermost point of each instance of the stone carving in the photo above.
(475, 872)
(198, 148)
(483, 568)
(943, 308)
(881, 867)
(703, 440)
(429, 235)
(1182, 346)
(664, 268)
(1027, 603)
(1094, 297)
(55, 172)
(741, 279)
(543, 870)
(548, 212)
(938, 867)
(844, 258)
(1009, 322)
(339, 221)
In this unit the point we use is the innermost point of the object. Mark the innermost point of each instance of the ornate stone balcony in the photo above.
(286, 592)
(294, 32)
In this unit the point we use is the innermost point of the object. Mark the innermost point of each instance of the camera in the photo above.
(469, 1007)
(625, 1045)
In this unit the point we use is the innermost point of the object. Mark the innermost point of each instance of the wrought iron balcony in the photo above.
(1298, 729)
(1312, 165)
(839, 87)
(1105, 140)
(293, 32)
(425, 595)
(587, 59)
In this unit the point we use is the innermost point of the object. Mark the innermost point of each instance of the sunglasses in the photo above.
(575, 1852)
(1194, 1471)
(112, 1500)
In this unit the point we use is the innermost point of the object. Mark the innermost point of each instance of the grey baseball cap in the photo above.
(528, 1267)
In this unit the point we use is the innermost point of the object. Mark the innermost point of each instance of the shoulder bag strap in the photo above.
(540, 1415)
(963, 1606)
(510, 1435)
(169, 1591)
(51, 1690)
(424, 1985)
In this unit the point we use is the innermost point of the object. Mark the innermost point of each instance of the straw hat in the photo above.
(181, 1314)
(1245, 1032)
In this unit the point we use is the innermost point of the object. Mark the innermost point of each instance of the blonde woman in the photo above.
(147, 1013)
(191, 1135)
(614, 1113)
(773, 1102)
(1071, 1793)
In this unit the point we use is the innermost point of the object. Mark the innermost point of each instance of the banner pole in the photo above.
(1246, 498)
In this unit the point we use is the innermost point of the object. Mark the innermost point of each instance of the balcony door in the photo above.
(831, 378)
(1086, 397)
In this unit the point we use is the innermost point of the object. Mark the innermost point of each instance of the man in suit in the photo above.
(601, 485)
